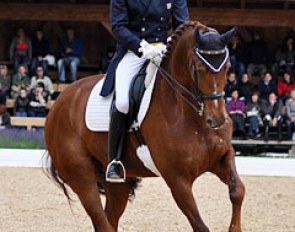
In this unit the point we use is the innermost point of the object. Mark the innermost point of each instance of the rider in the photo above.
(138, 27)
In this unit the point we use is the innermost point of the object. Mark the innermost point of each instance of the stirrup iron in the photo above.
(117, 180)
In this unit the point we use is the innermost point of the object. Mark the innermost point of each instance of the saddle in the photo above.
(136, 93)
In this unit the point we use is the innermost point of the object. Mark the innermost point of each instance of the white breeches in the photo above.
(128, 67)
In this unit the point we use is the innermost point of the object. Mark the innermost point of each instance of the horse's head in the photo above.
(211, 63)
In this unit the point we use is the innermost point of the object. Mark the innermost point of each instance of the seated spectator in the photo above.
(253, 110)
(257, 56)
(236, 109)
(2, 95)
(232, 84)
(285, 85)
(284, 58)
(237, 57)
(106, 59)
(5, 82)
(20, 80)
(21, 105)
(4, 118)
(20, 50)
(245, 88)
(38, 101)
(272, 114)
(40, 48)
(290, 115)
(40, 77)
(266, 86)
(71, 50)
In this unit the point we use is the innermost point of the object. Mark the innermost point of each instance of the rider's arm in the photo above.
(179, 13)
(120, 21)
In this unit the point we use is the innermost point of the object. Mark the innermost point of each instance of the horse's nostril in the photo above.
(210, 121)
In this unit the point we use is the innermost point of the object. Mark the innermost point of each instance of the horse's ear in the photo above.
(227, 36)
(197, 36)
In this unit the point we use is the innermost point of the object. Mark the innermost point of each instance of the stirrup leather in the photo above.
(117, 180)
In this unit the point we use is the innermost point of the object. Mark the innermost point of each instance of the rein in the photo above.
(200, 97)
(172, 82)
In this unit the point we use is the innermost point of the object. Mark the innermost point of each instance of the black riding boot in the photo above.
(117, 133)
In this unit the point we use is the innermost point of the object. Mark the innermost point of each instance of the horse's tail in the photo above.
(51, 172)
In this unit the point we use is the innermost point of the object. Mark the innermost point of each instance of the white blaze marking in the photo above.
(215, 100)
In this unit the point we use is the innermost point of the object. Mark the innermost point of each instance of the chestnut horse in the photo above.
(187, 130)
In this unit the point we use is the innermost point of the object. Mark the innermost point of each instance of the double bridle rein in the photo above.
(199, 97)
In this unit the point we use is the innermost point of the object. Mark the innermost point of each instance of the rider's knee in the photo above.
(122, 106)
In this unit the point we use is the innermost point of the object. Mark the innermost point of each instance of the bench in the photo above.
(10, 103)
(27, 122)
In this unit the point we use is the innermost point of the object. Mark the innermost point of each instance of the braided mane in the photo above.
(180, 30)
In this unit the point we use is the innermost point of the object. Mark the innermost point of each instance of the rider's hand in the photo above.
(148, 51)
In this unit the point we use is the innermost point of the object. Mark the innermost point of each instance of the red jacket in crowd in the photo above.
(285, 88)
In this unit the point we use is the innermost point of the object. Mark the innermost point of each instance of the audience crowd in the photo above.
(259, 94)
(30, 85)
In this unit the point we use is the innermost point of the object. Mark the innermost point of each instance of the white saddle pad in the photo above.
(98, 107)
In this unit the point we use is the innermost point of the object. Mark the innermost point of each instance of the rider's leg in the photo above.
(126, 70)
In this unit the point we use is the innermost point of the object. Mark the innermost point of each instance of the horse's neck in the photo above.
(167, 100)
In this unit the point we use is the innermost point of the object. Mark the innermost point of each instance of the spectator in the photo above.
(40, 47)
(38, 101)
(20, 50)
(232, 84)
(266, 86)
(284, 58)
(70, 55)
(237, 57)
(272, 114)
(40, 77)
(236, 109)
(5, 82)
(257, 56)
(253, 110)
(290, 115)
(21, 104)
(106, 59)
(2, 95)
(4, 118)
(20, 80)
(245, 88)
(285, 86)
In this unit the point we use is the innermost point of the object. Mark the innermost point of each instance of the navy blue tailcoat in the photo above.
(134, 20)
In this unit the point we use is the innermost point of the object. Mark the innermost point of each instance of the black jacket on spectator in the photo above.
(238, 52)
(2, 97)
(5, 120)
(274, 110)
(229, 87)
(40, 47)
(257, 52)
(38, 109)
(265, 89)
(21, 104)
(246, 90)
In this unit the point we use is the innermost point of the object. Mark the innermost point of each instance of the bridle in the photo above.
(200, 97)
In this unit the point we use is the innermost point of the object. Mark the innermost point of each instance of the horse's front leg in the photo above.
(182, 193)
(227, 172)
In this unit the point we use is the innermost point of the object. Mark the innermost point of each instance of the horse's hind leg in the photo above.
(80, 175)
(227, 172)
(181, 190)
